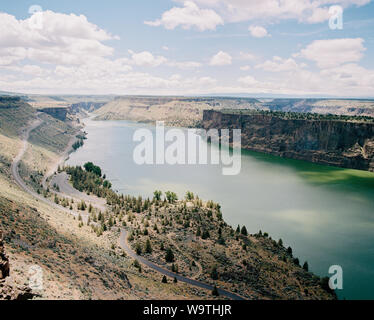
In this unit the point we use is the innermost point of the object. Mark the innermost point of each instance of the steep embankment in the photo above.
(338, 143)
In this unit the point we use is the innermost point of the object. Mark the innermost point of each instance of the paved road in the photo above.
(15, 172)
(64, 156)
(66, 189)
(124, 244)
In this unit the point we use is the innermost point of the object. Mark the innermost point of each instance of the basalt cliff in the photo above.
(346, 144)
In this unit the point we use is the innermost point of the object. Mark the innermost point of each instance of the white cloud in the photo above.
(76, 59)
(247, 56)
(146, 58)
(280, 65)
(62, 39)
(221, 59)
(185, 64)
(245, 68)
(190, 16)
(271, 11)
(258, 31)
(333, 52)
(249, 81)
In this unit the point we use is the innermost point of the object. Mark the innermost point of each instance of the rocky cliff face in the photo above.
(336, 143)
(9, 290)
(58, 113)
(4, 261)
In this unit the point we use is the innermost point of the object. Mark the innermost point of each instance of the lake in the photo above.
(325, 214)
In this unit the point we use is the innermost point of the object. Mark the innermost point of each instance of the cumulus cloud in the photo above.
(247, 56)
(277, 64)
(258, 31)
(146, 58)
(70, 55)
(185, 64)
(306, 11)
(61, 39)
(190, 16)
(333, 52)
(245, 68)
(221, 59)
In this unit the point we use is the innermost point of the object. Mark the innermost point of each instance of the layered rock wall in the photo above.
(337, 143)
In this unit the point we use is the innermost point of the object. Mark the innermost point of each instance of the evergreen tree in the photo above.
(157, 195)
(244, 231)
(306, 266)
(169, 257)
(138, 249)
(289, 251)
(214, 273)
(164, 279)
(205, 235)
(215, 291)
(198, 232)
(148, 247)
(280, 243)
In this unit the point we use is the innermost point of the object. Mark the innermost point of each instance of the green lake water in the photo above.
(325, 214)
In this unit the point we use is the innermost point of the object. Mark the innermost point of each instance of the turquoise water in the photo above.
(325, 214)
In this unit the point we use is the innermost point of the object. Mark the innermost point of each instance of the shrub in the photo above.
(214, 273)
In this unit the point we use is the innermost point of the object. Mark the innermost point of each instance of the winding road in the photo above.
(125, 246)
(123, 237)
(15, 170)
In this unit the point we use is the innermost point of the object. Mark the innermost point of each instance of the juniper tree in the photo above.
(215, 291)
(148, 247)
(138, 249)
(164, 279)
(244, 231)
(306, 266)
(214, 273)
(169, 257)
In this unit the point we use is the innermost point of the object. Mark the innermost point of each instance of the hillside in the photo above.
(76, 263)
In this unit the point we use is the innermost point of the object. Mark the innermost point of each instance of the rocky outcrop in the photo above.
(4, 261)
(338, 143)
(8, 102)
(58, 113)
(8, 289)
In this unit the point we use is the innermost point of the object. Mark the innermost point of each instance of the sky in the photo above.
(200, 47)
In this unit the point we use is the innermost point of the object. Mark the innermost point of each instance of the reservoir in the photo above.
(325, 214)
